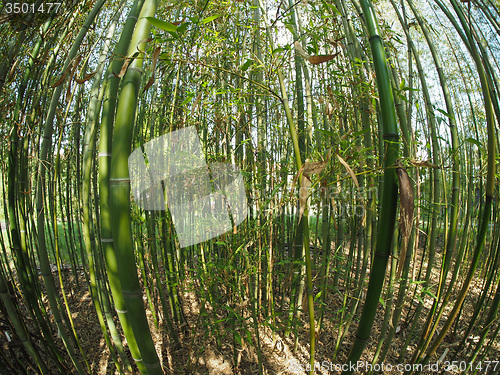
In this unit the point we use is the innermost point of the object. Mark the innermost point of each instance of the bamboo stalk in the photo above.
(120, 195)
(389, 195)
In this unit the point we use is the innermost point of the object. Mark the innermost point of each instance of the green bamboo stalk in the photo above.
(18, 324)
(40, 193)
(96, 292)
(303, 226)
(388, 304)
(16, 47)
(431, 118)
(356, 52)
(389, 195)
(17, 176)
(452, 231)
(53, 196)
(120, 195)
(105, 146)
(490, 182)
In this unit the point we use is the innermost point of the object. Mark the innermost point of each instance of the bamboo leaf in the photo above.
(246, 65)
(238, 338)
(189, 97)
(326, 132)
(277, 50)
(181, 27)
(332, 8)
(475, 142)
(444, 113)
(162, 25)
(318, 295)
(382, 302)
(249, 337)
(361, 132)
(210, 19)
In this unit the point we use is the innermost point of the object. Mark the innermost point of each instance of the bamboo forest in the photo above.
(249, 187)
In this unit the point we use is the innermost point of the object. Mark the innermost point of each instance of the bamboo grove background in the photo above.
(367, 136)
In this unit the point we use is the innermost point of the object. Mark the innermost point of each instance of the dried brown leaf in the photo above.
(177, 23)
(156, 53)
(125, 65)
(143, 41)
(406, 207)
(68, 71)
(124, 68)
(305, 183)
(349, 170)
(73, 70)
(346, 135)
(196, 102)
(86, 78)
(330, 91)
(321, 58)
(68, 92)
(11, 74)
(315, 167)
(149, 83)
(60, 81)
(336, 42)
(423, 163)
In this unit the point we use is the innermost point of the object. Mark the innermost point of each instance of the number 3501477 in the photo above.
(31, 8)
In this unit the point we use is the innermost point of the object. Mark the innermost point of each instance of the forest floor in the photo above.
(199, 353)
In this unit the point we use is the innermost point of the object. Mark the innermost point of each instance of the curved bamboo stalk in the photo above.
(40, 192)
(455, 185)
(120, 195)
(490, 183)
(105, 146)
(389, 194)
(16, 208)
(303, 230)
(18, 324)
(96, 96)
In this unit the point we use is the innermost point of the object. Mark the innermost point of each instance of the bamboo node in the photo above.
(132, 294)
(139, 70)
(119, 181)
(151, 365)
